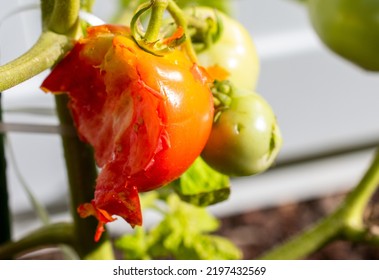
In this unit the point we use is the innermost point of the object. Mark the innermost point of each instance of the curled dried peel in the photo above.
(147, 117)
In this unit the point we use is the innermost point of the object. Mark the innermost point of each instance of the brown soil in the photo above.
(258, 231)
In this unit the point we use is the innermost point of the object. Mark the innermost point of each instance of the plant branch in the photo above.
(60, 233)
(49, 48)
(47, 7)
(64, 16)
(60, 21)
(355, 203)
(346, 222)
(157, 11)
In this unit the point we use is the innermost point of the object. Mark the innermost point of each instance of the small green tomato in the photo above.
(234, 50)
(245, 137)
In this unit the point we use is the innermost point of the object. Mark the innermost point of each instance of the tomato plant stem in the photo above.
(356, 202)
(49, 48)
(62, 17)
(5, 220)
(50, 235)
(82, 174)
(60, 20)
(157, 11)
(345, 222)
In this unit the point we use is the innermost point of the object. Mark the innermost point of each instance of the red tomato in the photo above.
(147, 117)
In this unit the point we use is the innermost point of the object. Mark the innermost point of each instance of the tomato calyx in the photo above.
(205, 30)
(222, 97)
(148, 40)
(164, 35)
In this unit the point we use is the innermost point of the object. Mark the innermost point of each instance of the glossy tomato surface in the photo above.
(245, 137)
(147, 117)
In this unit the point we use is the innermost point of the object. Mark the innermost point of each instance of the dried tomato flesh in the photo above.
(147, 117)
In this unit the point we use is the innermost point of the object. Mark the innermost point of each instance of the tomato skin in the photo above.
(234, 51)
(350, 28)
(245, 138)
(147, 117)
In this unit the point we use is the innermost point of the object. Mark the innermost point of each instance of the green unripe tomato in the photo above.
(234, 50)
(350, 28)
(245, 137)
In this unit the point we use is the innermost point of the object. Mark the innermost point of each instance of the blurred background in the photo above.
(326, 108)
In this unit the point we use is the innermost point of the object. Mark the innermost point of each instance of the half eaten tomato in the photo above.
(147, 117)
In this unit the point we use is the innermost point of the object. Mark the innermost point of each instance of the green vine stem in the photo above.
(157, 11)
(60, 16)
(346, 222)
(49, 48)
(151, 35)
(50, 235)
(47, 7)
(5, 220)
(60, 20)
(82, 174)
(64, 17)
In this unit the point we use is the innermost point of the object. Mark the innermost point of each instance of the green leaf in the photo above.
(211, 247)
(201, 185)
(191, 218)
(183, 233)
(134, 247)
(181, 223)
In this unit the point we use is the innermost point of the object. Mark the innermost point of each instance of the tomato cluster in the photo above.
(245, 137)
(149, 115)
